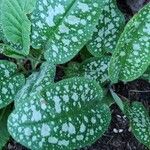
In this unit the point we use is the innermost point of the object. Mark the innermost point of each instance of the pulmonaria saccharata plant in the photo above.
(43, 114)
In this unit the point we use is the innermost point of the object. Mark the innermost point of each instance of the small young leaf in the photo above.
(69, 115)
(35, 83)
(10, 82)
(132, 55)
(140, 123)
(118, 100)
(96, 69)
(15, 24)
(108, 30)
(4, 135)
(65, 26)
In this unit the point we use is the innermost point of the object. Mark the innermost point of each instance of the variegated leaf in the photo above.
(96, 69)
(132, 55)
(68, 115)
(10, 82)
(64, 26)
(35, 83)
(140, 123)
(108, 30)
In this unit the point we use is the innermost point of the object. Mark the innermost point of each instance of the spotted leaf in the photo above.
(15, 24)
(96, 69)
(35, 83)
(67, 115)
(10, 82)
(63, 27)
(140, 123)
(132, 55)
(108, 30)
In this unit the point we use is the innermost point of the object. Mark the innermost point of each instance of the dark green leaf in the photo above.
(4, 135)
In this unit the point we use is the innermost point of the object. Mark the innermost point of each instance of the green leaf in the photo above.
(118, 100)
(64, 27)
(9, 51)
(132, 55)
(28, 5)
(140, 123)
(1, 31)
(72, 70)
(10, 82)
(108, 100)
(4, 134)
(108, 30)
(15, 24)
(68, 115)
(96, 69)
(146, 75)
(35, 83)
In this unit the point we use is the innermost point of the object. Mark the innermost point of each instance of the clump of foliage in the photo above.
(73, 112)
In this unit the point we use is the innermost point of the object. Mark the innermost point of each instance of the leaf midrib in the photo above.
(61, 20)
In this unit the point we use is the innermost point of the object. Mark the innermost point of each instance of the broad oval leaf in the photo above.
(15, 24)
(96, 69)
(35, 83)
(10, 82)
(108, 30)
(69, 115)
(132, 55)
(140, 123)
(64, 26)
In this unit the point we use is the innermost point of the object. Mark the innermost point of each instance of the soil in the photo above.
(118, 136)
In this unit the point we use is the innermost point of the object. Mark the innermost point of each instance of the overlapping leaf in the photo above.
(35, 83)
(10, 82)
(4, 135)
(67, 25)
(132, 55)
(140, 123)
(96, 69)
(108, 30)
(15, 24)
(68, 115)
